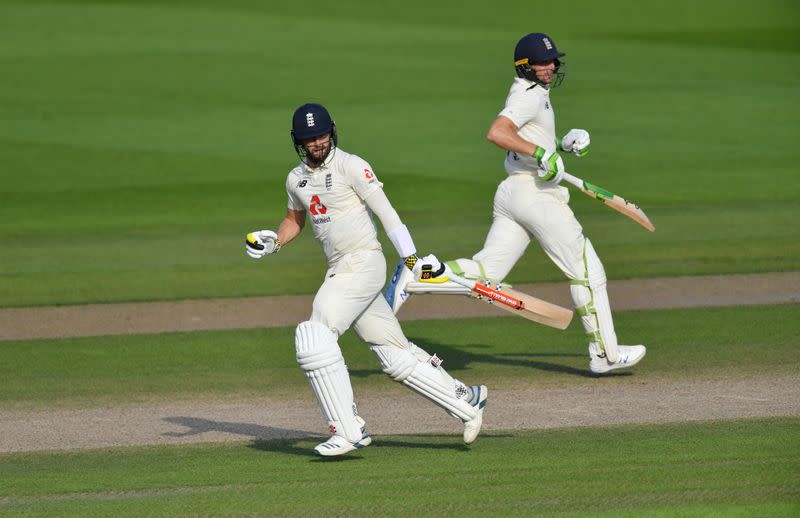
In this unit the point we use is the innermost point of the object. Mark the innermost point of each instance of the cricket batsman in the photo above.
(339, 192)
(530, 203)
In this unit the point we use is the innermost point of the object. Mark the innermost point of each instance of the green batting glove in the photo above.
(550, 164)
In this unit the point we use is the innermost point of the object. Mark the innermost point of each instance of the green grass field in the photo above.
(741, 468)
(715, 343)
(140, 141)
(691, 469)
(735, 467)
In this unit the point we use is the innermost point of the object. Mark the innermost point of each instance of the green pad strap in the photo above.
(588, 309)
(455, 267)
(483, 271)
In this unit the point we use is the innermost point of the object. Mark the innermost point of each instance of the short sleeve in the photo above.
(361, 176)
(521, 107)
(294, 203)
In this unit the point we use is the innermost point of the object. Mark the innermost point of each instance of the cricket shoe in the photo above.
(338, 445)
(395, 292)
(629, 355)
(478, 395)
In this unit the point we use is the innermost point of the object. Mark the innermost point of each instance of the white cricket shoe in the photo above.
(338, 445)
(478, 394)
(629, 355)
(395, 292)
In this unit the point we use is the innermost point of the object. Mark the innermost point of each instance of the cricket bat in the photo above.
(516, 302)
(617, 203)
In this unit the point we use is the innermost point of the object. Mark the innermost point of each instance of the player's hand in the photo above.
(261, 242)
(429, 269)
(576, 141)
(551, 166)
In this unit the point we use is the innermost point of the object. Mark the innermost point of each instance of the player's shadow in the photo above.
(267, 438)
(198, 425)
(456, 358)
(283, 440)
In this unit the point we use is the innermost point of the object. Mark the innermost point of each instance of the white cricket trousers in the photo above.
(522, 210)
(351, 296)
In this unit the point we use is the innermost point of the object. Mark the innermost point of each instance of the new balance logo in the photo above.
(309, 119)
(302, 183)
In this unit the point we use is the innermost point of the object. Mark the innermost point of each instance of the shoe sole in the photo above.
(322, 451)
(614, 366)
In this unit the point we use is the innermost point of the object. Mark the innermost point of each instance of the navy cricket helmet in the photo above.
(310, 121)
(535, 48)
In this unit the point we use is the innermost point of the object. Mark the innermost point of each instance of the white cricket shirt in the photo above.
(333, 197)
(528, 106)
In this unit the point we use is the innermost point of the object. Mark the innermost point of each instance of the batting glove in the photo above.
(429, 269)
(262, 242)
(551, 166)
(576, 141)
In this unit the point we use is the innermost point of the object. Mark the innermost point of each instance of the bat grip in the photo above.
(574, 180)
(461, 280)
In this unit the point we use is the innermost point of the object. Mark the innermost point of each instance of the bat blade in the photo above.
(619, 204)
(523, 305)
(631, 210)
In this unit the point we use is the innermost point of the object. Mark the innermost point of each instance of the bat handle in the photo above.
(574, 180)
(461, 280)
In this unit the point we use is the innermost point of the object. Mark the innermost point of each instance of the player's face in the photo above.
(318, 147)
(544, 71)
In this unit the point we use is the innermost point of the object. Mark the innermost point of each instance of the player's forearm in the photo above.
(289, 229)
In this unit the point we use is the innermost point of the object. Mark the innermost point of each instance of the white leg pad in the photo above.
(591, 301)
(320, 357)
(422, 373)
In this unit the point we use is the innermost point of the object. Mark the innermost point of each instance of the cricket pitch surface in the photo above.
(518, 408)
